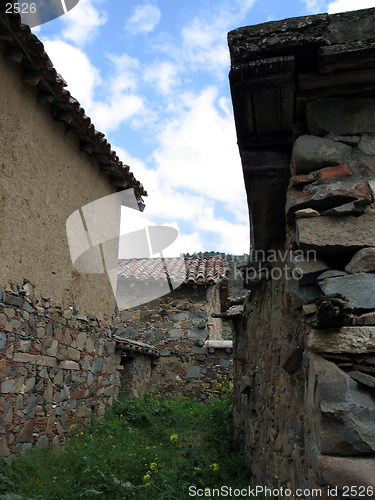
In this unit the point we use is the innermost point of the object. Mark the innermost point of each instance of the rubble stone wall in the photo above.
(304, 351)
(339, 162)
(268, 409)
(57, 367)
(178, 326)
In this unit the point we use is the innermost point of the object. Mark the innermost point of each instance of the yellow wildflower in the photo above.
(146, 478)
(214, 467)
(173, 438)
(153, 466)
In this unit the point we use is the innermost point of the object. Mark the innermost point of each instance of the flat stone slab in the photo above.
(366, 319)
(331, 196)
(341, 471)
(313, 153)
(358, 289)
(341, 116)
(346, 422)
(367, 144)
(362, 378)
(332, 273)
(350, 339)
(305, 295)
(362, 261)
(346, 209)
(331, 235)
(219, 344)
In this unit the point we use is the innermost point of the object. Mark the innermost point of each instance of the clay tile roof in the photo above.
(27, 50)
(196, 270)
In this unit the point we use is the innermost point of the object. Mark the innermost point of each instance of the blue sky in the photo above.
(153, 76)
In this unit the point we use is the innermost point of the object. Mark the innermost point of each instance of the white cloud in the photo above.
(120, 102)
(84, 79)
(145, 18)
(82, 22)
(203, 40)
(185, 243)
(231, 237)
(125, 70)
(164, 200)
(243, 6)
(164, 75)
(108, 116)
(315, 6)
(197, 165)
(76, 68)
(205, 44)
(347, 5)
(197, 149)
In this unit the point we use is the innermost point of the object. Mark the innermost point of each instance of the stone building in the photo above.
(65, 351)
(178, 325)
(56, 347)
(303, 93)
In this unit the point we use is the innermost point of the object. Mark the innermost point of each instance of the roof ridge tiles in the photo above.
(198, 270)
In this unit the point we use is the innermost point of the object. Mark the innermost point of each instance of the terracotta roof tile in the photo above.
(193, 270)
(26, 49)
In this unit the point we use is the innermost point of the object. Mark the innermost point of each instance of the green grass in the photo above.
(147, 448)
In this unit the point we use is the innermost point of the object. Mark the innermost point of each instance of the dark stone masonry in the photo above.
(194, 360)
(58, 367)
(304, 102)
(191, 363)
(56, 370)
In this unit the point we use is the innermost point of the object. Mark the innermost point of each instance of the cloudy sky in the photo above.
(153, 76)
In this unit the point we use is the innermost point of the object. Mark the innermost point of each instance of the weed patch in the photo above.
(146, 449)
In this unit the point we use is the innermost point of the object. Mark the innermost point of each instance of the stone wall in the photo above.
(57, 367)
(178, 325)
(304, 350)
(337, 220)
(269, 411)
(304, 347)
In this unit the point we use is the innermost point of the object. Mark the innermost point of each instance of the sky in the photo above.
(153, 76)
